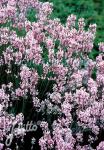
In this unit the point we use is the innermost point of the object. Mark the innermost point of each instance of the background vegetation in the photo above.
(91, 10)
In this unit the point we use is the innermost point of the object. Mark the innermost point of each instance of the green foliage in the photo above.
(81, 8)
(31, 15)
(93, 54)
(21, 32)
(94, 73)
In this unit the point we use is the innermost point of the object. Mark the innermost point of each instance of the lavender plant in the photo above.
(48, 80)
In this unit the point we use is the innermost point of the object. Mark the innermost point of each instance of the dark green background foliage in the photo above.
(91, 10)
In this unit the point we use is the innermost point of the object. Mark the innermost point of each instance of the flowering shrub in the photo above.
(48, 78)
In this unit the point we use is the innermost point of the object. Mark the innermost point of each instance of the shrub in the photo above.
(51, 89)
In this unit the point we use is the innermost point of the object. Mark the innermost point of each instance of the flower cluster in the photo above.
(48, 77)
